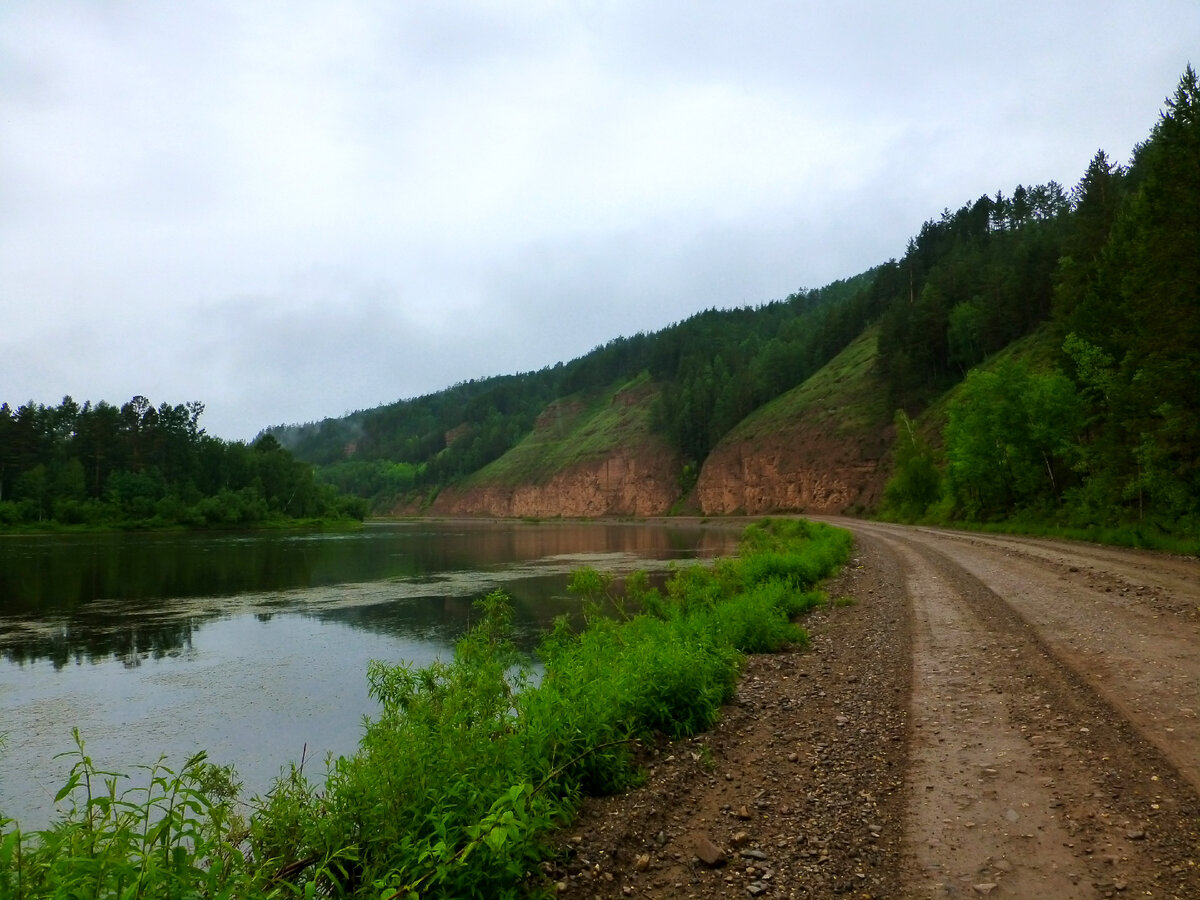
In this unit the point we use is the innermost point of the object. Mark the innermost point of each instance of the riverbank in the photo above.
(981, 716)
(797, 791)
(459, 780)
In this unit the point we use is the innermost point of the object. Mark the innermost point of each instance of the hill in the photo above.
(817, 448)
(585, 456)
(791, 405)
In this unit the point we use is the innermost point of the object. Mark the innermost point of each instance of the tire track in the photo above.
(1025, 779)
(1129, 624)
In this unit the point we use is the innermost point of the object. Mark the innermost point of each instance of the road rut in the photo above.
(1054, 749)
(979, 716)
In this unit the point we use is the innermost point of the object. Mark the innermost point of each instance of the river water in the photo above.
(255, 647)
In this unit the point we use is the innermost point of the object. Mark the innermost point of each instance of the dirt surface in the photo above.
(977, 716)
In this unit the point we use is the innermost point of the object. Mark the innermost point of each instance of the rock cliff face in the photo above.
(798, 470)
(626, 483)
(818, 448)
(801, 470)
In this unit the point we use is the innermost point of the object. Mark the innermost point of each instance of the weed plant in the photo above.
(469, 763)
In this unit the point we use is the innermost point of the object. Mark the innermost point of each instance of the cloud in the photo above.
(290, 210)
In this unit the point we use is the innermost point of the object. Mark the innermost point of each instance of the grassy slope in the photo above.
(843, 398)
(578, 430)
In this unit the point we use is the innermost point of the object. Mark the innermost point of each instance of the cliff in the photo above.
(626, 483)
(817, 448)
(586, 456)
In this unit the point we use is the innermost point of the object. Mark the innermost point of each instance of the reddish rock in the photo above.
(801, 469)
(708, 852)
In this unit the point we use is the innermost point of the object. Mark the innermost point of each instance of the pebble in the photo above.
(708, 852)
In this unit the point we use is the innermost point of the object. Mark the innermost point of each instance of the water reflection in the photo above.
(255, 647)
(79, 599)
(129, 642)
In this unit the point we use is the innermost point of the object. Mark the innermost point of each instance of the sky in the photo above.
(290, 210)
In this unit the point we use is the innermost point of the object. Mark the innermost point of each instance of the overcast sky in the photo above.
(291, 210)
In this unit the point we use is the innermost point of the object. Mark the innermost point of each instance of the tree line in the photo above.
(147, 466)
(1107, 429)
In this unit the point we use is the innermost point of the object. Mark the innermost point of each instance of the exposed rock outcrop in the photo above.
(638, 482)
(817, 448)
(800, 470)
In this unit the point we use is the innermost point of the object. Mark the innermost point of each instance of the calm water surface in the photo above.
(255, 647)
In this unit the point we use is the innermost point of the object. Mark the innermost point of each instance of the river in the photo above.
(254, 647)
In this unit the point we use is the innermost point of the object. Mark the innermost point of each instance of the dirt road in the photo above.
(979, 716)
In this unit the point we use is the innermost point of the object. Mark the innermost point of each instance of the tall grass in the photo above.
(468, 765)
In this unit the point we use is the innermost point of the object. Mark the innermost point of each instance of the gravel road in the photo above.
(976, 716)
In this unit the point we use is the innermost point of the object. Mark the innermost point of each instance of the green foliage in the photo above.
(969, 284)
(916, 483)
(141, 467)
(1133, 313)
(578, 429)
(175, 836)
(1107, 446)
(720, 365)
(381, 483)
(1011, 441)
(467, 766)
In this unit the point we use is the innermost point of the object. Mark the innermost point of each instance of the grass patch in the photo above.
(576, 430)
(469, 764)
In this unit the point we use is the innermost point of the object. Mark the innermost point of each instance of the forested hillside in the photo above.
(1104, 427)
(714, 368)
(1108, 430)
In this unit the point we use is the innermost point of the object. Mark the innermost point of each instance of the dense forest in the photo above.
(141, 466)
(1108, 430)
